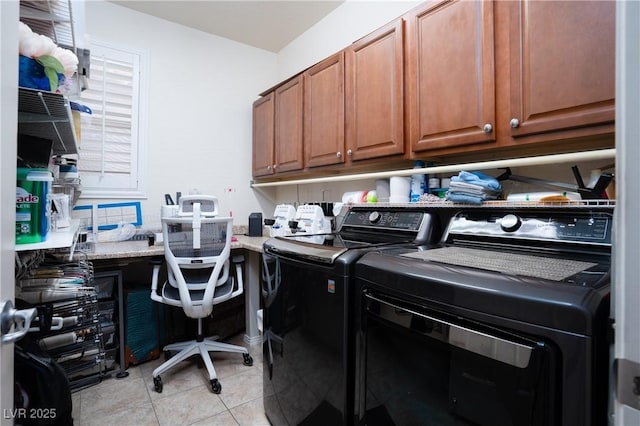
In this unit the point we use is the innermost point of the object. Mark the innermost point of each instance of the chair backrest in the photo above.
(197, 246)
(208, 205)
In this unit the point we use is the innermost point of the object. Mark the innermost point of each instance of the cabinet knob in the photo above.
(514, 123)
(349, 153)
(268, 167)
(339, 154)
(275, 166)
(488, 128)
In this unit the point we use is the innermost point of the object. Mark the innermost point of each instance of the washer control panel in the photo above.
(563, 226)
(396, 220)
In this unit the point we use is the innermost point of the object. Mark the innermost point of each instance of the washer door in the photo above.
(424, 367)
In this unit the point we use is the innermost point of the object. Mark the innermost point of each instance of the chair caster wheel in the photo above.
(216, 387)
(157, 384)
(247, 359)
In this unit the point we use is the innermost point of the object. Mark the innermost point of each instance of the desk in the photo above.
(126, 252)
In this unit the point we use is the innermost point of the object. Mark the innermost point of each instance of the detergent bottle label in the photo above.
(32, 221)
(27, 223)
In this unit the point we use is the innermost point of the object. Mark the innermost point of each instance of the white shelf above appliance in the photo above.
(61, 238)
(539, 160)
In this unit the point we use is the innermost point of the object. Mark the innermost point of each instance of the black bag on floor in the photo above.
(42, 395)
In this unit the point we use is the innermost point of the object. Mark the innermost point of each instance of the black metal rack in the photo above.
(77, 321)
(47, 115)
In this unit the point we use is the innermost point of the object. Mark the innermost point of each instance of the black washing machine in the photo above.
(308, 298)
(504, 322)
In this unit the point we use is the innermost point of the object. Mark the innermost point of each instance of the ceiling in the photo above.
(265, 24)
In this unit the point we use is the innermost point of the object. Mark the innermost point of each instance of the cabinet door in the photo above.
(451, 75)
(562, 65)
(263, 136)
(374, 94)
(288, 122)
(324, 112)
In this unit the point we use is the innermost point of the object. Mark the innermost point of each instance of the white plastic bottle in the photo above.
(418, 183)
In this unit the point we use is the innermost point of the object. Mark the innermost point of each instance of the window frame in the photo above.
(106, 187)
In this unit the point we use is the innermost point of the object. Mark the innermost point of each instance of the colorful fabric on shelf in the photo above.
(32, 75)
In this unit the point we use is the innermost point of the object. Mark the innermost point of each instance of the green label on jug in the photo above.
(32, 222)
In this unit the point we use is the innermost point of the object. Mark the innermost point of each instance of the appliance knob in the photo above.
(374, 217)
(510, 223)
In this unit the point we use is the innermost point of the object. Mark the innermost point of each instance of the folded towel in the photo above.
(478, 178)
(464, 198)
(471, 194)
(472, 189)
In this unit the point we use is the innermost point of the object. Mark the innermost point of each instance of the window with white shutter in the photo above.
(112, 138)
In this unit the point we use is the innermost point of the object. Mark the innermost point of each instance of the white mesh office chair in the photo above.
(197, 245)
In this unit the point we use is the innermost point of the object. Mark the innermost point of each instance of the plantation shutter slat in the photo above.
(108, 146)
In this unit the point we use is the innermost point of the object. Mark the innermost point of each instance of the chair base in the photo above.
(194, 347)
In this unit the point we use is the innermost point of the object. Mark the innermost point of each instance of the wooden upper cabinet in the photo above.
(263, 136)
(450, 77)
(451, 74)
(562, 58)
(324, 112)
(374, 85)
(288, 126)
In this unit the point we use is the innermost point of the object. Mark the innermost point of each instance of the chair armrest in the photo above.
(238, 261)
(157, 263)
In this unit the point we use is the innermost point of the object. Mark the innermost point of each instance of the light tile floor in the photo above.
(186, 398)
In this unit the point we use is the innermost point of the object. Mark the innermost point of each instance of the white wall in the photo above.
(349, 22)
(201, 89)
